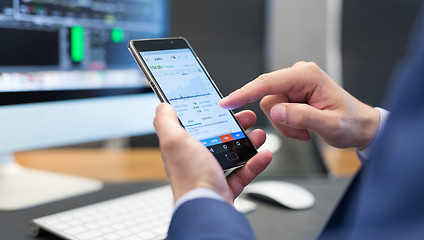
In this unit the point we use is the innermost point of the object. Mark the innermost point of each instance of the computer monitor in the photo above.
(67, 77)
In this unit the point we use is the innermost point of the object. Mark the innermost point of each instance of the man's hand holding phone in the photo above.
(190, 165)
(178, 77)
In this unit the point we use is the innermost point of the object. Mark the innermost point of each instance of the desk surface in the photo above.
(268, 221)
(143, 163)
(107, 165)
(129, 171)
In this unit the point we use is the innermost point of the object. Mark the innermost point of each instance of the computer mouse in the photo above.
(286, 194)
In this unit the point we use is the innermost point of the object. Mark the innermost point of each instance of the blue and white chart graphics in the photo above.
(191, 93)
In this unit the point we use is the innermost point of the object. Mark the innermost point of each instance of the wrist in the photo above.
(364, 154)
(369, 125)
(196, 194)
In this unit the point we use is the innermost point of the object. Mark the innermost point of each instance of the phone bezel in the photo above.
(140, 45)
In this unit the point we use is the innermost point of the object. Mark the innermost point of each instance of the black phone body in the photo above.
(177, 76)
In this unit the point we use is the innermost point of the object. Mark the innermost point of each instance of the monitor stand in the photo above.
(22, 188)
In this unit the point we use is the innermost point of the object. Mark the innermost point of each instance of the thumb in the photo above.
(301, 116)
(166, 121)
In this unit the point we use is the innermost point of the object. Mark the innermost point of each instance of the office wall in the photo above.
(375, 34)
(372, 38)
(296, 31)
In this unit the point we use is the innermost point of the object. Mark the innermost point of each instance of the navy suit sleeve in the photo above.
(385, 200)
(206, 218)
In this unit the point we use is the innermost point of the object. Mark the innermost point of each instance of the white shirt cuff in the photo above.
(364, 155)
(197, 193)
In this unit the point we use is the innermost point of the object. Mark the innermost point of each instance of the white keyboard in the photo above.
(144, 215)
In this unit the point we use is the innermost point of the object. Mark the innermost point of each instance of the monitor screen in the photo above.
(66, 75)
(57, 50)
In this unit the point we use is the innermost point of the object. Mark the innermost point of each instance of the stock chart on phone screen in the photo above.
(192, 95)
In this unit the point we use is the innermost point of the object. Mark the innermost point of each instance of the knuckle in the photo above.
(298, 121)
(156, 121)
(312, 72)
(264, 80)
(263, 77)
(264, 104)
(313, 68)
(297, 116)
(300, 63)
(170, 141)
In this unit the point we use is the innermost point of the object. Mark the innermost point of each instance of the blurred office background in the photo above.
(239, 40)
(358, 42)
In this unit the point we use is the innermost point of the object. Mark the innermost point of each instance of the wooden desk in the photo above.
(108, 165)
(142, 163)
(341, 162)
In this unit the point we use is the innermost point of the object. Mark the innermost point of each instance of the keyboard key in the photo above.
(61, 226)
(124, 233)
(88, 235)
(112, 236)
(141, 216)
(75, 230)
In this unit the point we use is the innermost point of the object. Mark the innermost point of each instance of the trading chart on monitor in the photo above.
(50, 45)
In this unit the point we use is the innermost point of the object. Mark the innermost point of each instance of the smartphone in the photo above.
(177, 76)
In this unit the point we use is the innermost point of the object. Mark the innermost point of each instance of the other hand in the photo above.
(304, 97)
(190, 165)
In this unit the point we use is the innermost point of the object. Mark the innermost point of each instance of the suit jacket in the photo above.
(386, 198)
(385, 201)
(206, 218)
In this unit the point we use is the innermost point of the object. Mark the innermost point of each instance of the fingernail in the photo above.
(278, 113)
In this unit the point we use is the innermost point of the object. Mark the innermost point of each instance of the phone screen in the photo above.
(190, 91)
(193, 96)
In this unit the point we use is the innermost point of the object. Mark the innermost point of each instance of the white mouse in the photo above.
(287, 194)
